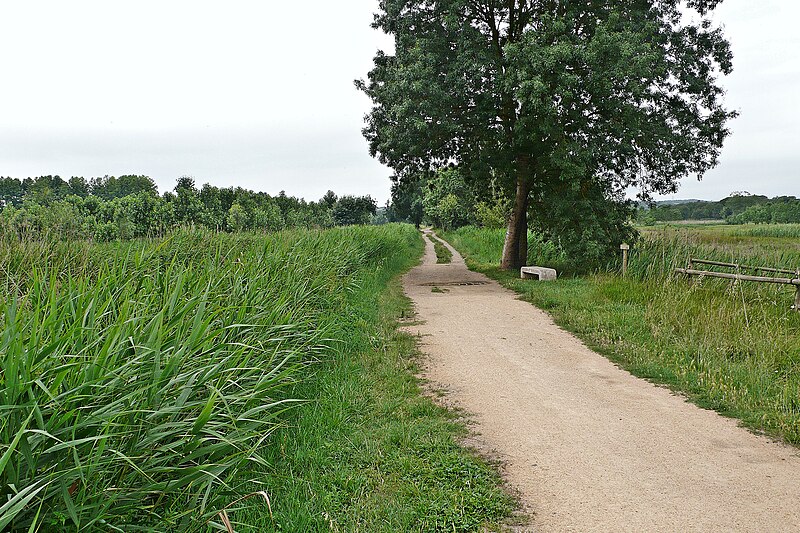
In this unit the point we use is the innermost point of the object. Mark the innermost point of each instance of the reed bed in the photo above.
(139, 380)
(785, 231)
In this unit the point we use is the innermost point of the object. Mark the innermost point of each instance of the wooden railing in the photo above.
(738, 276)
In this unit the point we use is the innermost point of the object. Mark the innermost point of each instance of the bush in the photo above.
(352, 210)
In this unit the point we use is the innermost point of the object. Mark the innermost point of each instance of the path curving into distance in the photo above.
(588, 446)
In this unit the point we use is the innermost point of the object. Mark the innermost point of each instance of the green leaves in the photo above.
(566, 101)
(139, 380)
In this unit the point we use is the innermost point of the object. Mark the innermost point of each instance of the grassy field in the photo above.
(149, 385)
(730, 347)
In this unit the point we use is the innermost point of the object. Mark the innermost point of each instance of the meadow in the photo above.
(208, 381)
(732, 347)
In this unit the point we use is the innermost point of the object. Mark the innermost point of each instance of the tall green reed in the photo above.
(138, 379)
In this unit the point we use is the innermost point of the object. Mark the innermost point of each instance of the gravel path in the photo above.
(588, 446)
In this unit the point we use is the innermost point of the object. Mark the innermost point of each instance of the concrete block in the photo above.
(539, 273)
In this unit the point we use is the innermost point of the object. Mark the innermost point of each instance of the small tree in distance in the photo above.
(354, 210)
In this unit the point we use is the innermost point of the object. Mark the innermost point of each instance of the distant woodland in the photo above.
(739, 208)
(125, 207)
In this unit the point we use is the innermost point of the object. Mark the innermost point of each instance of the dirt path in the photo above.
(588, 446)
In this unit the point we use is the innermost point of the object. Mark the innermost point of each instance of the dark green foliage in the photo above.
(406, 205)
(12, 192)
(110, 187)
(782, 210)
(587, 225)
(353, 210)
(329, 199)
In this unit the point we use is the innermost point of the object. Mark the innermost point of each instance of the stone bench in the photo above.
(540, 273)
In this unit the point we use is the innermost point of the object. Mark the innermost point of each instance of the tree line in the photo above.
(126, 207)
(736, 209)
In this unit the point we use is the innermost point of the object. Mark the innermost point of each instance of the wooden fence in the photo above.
(690, 270)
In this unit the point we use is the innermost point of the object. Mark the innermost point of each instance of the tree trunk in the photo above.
(515, 249)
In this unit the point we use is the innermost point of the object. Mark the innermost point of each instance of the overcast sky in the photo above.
(260, 94)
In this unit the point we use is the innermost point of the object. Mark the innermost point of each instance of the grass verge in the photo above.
(370, 452)
(731, 348)
(443, 254)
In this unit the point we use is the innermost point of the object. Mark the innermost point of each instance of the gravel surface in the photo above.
(587, 446)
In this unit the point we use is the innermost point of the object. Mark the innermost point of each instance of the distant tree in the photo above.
(46, 189)
(354, 210)
(494, 211)
(329, 199)
(740, 202)
(268, 217)
(132, 184)
(79, 186)
(215, 215)
(448, 202)
(238, 219)
(110, 187)
(557, 99)
(137, 215)
(188, 208)
(185, 183)
(407, 196)
(11, 192)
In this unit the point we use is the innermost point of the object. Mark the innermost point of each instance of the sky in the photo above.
(260, 94)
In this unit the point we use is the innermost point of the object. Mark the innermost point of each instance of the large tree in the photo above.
(559, 99)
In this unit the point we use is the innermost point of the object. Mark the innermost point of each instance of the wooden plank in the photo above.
(734, 265)
(738, 277)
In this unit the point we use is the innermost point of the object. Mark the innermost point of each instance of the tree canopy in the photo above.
(560, 101)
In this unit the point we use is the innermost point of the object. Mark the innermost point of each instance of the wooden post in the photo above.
(624, 247)
(797, 294)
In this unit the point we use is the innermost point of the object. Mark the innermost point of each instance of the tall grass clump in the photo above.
(139, 380)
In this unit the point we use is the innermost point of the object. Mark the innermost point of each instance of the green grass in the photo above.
(734, 348)
(486, 246)
(443, 254)
(146, 386)
(372, 453)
